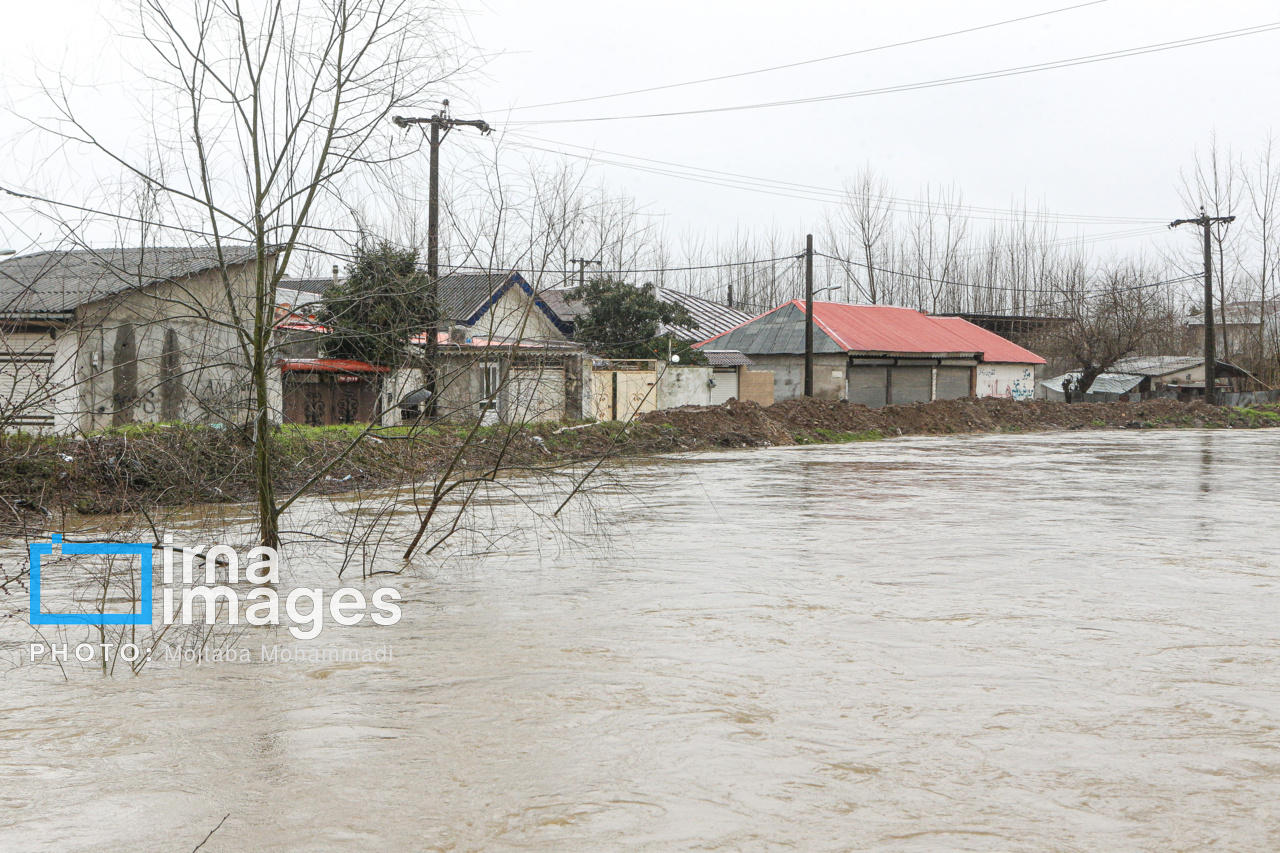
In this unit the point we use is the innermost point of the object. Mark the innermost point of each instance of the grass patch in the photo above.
(833, 437)
(1258, 417)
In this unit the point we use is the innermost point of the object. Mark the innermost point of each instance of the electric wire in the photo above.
(931, 84)
(804, 62)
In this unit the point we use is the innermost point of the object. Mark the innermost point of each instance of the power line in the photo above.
(626, 270)
(772, 68)
(1048, 291)
(945, 81)
(809, 192)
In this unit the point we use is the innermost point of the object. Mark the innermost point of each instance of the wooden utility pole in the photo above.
(582, 269)
(1210, 350)
(441, 123)
(808, 315)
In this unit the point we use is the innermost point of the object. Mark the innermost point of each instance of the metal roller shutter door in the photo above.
(953, 382)
(867, 385)
(26, 380)
(912, 385)
(726, 380)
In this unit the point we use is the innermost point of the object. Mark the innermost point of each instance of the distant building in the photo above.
(1237, 326)
(878, 355)
(1147, 376)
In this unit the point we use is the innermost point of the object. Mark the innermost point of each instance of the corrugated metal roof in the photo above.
(461, 295)
(867, 329)
(712, 317)
(1106, 383)
(726, 358)
(1157, 365)
(59, 282)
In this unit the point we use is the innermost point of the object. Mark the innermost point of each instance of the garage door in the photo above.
(866, 385)
(953, 382)
(911, 385)
(726, 379)
(26, 381)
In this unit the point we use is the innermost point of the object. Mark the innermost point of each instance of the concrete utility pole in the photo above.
(441, 123)
(1210, 350)
(808, 315)
(582, 269)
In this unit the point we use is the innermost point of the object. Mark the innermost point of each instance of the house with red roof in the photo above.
(881, 355)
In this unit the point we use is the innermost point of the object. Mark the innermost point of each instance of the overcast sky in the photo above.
(1104, 139)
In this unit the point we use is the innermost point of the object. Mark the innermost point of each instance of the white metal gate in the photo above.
(726, 379)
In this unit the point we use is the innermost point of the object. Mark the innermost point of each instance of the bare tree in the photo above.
(1111, 320)
(268, 111)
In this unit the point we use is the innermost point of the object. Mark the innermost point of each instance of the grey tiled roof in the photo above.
(463, 294)
(58, 282)
(565, 308)
(726, 358)
(308, 285)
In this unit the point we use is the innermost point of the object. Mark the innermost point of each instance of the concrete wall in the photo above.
(788, 375)
(1013, 381)
(192, 320)
(683, 386)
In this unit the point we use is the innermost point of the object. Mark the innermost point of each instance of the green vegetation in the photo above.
(1258, 417)
(383, 303)
(623, 321)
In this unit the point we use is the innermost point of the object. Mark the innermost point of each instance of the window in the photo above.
(492, 376)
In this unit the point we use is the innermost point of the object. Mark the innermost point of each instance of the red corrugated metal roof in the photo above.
(882, 328)
(331, 365)
(888, 329)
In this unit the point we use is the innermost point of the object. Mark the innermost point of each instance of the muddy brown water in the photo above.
(1036, 643)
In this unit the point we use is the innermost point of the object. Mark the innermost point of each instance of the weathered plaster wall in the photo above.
(1015, 381)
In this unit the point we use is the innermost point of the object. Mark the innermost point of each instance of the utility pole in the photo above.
(582, 269)
(441, 123)
(808, 315)
(1210, 350)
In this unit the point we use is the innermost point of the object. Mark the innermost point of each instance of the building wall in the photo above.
(530, 390)
(788, 375)
(169, 351)
(683, 386)
(515, 316)
(1012, 381)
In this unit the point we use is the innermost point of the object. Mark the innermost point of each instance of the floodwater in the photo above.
(1017, 643)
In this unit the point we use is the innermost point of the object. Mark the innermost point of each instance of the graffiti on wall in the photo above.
(1008, 381)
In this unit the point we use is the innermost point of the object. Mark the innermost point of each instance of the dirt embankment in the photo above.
(180, 465)
(803, 421)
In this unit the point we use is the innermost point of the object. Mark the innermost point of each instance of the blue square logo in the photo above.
(41, 549)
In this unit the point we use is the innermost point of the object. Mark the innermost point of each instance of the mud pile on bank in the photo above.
(803, 421)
